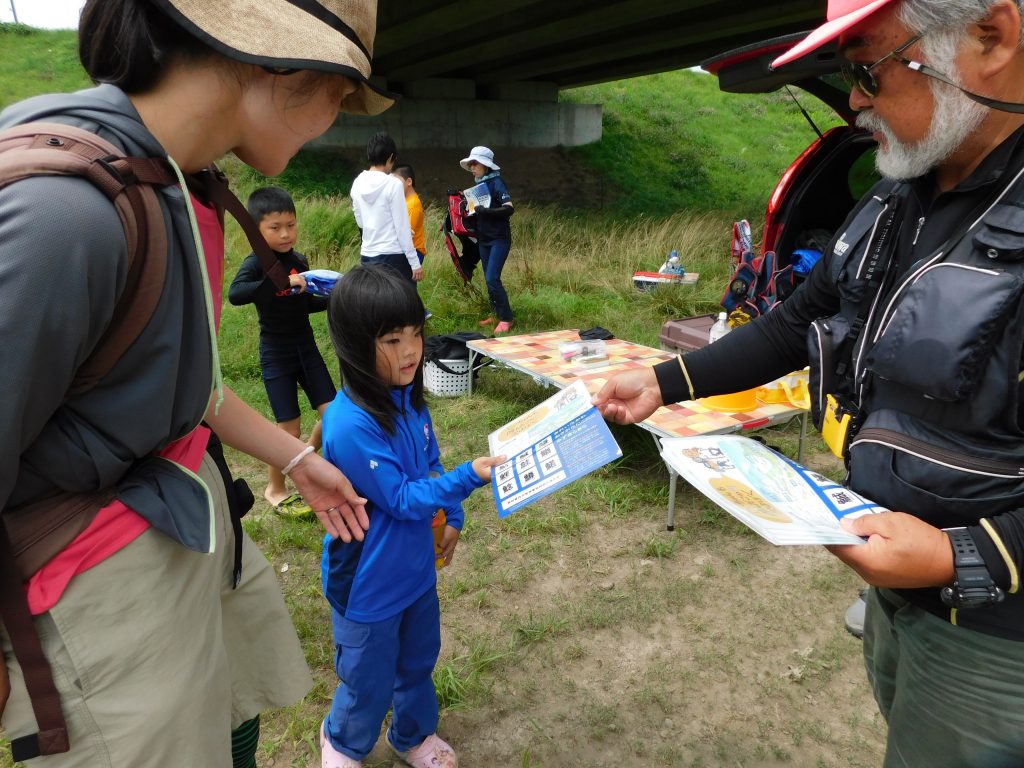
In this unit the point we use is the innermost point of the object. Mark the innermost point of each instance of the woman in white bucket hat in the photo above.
(160, 654)
(494, 234)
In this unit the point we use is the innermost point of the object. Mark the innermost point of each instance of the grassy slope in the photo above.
(675, 142)
(34, 61)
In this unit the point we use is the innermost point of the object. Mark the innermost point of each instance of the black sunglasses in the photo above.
(861, 77)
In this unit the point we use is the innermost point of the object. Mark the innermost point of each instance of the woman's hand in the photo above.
(321, 484)
(483, 466)
(332, 497)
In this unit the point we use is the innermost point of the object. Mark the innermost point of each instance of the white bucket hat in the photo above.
(320, 35)
(482, 155)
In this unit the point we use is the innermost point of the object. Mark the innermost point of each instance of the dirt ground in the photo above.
(622, 644)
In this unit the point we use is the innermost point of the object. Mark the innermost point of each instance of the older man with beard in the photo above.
(913, 325)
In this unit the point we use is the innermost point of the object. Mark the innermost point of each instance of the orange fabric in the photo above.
(419, 233)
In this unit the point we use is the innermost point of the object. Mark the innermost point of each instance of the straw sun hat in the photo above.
(325, 36)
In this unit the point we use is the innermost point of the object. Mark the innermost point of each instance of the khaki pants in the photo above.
(157, 659)
(953, 697)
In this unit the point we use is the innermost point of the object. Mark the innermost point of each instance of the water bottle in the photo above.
(719, 329)
(671, 265)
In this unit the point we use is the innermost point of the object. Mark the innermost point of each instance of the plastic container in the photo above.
(719, 329)
(732, 402)
(589, 351)
(444, 384)
(437, 526)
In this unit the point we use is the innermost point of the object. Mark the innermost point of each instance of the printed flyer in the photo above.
(779, 499)
(549, 446)
(478, 195)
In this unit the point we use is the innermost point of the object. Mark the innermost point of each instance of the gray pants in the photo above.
(953, 697)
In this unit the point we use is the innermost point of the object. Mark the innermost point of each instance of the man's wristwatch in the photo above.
(972, 583)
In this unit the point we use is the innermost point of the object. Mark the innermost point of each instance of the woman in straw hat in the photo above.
(160, 652)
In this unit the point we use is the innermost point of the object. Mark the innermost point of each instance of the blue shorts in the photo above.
(288, 365)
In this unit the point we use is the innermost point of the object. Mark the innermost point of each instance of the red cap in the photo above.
(842, 14)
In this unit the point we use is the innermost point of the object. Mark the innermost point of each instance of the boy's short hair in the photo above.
(380, 148)
(406, 172)
(268, 200)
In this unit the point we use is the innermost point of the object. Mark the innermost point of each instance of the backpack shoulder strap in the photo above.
(54, 149)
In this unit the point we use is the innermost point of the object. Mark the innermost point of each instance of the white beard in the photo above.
(954, 119)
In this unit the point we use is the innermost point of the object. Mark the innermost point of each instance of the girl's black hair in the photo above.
(128, 42)
(367, 303)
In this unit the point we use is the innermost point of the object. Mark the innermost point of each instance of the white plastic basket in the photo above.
(444, 384)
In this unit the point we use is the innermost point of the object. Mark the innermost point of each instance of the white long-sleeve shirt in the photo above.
(378, 201)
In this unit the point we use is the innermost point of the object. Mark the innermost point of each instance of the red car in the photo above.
(822, 185)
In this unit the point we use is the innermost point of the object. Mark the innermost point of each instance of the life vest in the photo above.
(935, 373)
(935, 369)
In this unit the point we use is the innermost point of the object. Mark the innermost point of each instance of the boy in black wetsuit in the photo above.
(289, 357)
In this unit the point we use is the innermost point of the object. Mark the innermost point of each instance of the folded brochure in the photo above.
(779, 499)
(549, 446)
(478, 195)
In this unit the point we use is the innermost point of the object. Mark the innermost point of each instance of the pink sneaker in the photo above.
(332, 758)
(503, 327)
(434, 752)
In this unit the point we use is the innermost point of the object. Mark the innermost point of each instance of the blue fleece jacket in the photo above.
(374, 579)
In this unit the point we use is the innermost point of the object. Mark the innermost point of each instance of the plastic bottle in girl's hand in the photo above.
(719, 329)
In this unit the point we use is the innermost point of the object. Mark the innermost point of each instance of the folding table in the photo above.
(538, 356)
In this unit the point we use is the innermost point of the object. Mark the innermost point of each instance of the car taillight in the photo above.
(773, 223)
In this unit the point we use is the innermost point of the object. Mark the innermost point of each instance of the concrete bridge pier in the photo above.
(456, 113)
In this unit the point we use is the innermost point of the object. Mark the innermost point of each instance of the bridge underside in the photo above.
(570, 42)
(511, 57)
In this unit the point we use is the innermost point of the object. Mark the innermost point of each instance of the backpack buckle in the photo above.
(125, 177)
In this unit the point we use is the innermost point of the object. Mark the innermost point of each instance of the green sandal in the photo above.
(294, 506)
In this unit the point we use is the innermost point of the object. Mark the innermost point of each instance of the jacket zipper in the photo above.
(947, 458)
(822, 327)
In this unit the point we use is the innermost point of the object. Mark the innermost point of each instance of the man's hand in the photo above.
(628, 398)
(449, 539)
(297, 281)
(417, 274)
(902, 551)
(332, 497)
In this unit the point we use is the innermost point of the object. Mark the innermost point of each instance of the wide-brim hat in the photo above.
(841, 15)
(482, 155)
(320, 35)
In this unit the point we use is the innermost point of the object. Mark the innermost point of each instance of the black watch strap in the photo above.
(973, 586)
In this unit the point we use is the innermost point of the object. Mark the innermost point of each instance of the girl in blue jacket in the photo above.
(387, 627)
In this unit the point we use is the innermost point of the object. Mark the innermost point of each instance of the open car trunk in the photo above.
(822, 185)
